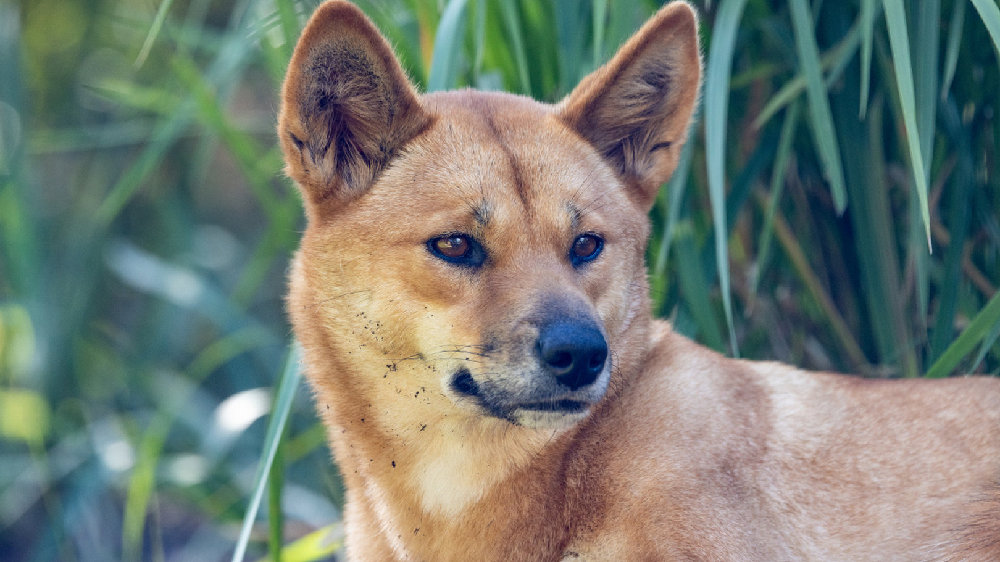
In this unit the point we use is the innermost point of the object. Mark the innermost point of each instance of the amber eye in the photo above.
(454, 247)
(459, 249)
(585, 248)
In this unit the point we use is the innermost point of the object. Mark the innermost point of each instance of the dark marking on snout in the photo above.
(464, 384)
(572, 350)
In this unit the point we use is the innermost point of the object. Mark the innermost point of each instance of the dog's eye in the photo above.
(459, 249)
(454, 247)
(585, 248)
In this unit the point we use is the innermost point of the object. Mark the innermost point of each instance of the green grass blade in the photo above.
(989, 11)
(447, 43)
(819, 106)
(289, 26)
(867, 38)
(961, 186)
(988, 342)
(250, 157)
(320, 544)
(142, 482)
(232, 58)
(900, 46)
(925, 75)
(977, 330)
(480, 38)
(874, 235)
(954, 43)
(720, 60)
(694, 284)
(674, 192)
(834, 62)
(154, 31)
(289, 384)
(778, 172)
(573, 19)
(275, 514)
(600, 9)
(512, 21)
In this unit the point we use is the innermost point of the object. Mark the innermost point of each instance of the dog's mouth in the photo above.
(513, 410)
(566, 406)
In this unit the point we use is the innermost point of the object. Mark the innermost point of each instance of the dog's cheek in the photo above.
(436, 311)
(619, 289)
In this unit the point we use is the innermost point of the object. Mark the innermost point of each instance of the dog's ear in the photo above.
(635, 110)
(347, 106)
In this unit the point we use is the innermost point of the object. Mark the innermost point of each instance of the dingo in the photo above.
(471, 297)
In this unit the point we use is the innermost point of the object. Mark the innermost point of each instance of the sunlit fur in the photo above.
(675, 452)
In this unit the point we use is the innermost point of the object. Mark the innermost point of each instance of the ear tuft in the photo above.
(347, 106)
(636, 109)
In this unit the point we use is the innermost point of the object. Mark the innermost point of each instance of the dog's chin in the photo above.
(534, 418)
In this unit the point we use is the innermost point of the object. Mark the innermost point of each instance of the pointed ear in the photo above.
(347, 106)
(635, 110)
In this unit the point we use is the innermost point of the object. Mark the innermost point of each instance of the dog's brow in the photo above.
(481, 213)
(575, 215)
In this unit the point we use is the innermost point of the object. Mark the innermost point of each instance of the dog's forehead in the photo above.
(489, 146)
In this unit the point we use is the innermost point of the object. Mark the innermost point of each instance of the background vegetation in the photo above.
(145, 229)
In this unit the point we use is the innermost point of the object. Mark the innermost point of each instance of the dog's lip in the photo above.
(564, 405)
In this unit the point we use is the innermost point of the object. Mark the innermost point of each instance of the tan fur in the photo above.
(677, 452)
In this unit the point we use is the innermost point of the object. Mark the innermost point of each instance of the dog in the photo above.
(471, 298)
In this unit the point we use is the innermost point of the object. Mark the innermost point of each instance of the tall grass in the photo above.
(145, 229)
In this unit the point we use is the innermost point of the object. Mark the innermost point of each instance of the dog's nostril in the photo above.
(562, 360)
(574, 352)
(597, 362)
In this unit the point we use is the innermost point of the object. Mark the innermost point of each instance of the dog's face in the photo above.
(477, 254)
(498, 249)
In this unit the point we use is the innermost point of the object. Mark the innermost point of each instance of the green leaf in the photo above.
(778, 172)
(320, 544)
(989, 11)
(694, 284)
(444, 62)
(512, 21)
(24, 415)
(720, 60)
(287, 386)
(819, 106)
(834, 61)
(977, 330)
(600, 8)
(154, 31)
(867, 38)
(275, 514)
(954, 43)
(674, 192)
(142, 482)
(232, 58)
(900, 45)
(925, 75)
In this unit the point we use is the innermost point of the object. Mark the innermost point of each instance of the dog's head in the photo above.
(481, 254)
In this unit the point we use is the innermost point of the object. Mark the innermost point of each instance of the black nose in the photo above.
(574, 352)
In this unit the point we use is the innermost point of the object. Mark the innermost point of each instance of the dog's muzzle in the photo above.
(560, 377)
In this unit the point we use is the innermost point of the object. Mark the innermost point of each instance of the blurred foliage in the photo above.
(145, 229)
